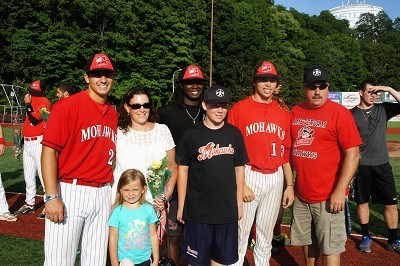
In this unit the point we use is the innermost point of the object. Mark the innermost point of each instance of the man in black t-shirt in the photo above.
(184, 111)
(211, 158)
(375, 177)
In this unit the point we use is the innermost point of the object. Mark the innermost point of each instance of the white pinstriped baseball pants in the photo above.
(268, 197)
(3, 199)
(86, 212)
(31, 162)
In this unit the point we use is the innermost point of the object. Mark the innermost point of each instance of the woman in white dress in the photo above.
(140, 140)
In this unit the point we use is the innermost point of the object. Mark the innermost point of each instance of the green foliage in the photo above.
(149, 40)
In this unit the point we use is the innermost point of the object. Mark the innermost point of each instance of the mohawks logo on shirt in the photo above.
(210, 150)
(305, 136)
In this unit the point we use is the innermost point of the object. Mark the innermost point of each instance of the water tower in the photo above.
(352, 10)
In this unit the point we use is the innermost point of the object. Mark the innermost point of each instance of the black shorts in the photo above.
(376, 182)
(174, 228)
(202, 242)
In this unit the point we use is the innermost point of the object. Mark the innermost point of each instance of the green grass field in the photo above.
(20, 251)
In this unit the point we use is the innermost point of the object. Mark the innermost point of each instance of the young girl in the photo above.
(133, 231)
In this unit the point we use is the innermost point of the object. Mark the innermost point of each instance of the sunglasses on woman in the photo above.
(136, 106)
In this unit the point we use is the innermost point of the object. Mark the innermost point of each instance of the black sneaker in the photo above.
(279, 240)
(276, 251)
(25, 209)
(42, 215)
(394, 247)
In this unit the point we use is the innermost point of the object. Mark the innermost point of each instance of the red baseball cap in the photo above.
(37, 87)
(191, 72)
(99, 62)
(266, 69)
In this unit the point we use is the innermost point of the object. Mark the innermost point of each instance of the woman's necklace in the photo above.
(368, 113)
(193, 118)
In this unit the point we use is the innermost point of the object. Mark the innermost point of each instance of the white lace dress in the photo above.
(138, 149)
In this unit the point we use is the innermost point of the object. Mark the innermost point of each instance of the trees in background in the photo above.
(149, 40)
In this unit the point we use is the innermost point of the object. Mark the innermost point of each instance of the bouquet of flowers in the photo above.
(158, 176)
(45, 114)
(17, 138)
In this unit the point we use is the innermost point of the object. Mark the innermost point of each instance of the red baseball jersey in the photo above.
(265, 128)
(84, 133)
(319, 137)
(29, 130)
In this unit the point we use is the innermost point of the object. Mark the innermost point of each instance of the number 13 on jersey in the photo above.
(274, 152)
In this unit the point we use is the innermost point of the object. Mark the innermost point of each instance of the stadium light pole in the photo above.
(211, 40)
(173, 79)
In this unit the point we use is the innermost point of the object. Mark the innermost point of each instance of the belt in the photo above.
(30, 139)
(82, 183)
(263, 171)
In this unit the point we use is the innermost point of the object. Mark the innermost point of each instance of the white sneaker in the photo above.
(7, 216)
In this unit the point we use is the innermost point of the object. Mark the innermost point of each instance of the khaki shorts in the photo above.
(314, 224)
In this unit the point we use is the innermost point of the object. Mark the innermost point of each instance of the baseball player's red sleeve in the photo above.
(287, 142)
(57, 128)
(232, 115)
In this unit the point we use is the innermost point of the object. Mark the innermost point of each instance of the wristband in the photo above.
(51, 197)
(2, 141)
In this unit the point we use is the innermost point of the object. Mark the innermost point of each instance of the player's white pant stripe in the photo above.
(87, 210)
(3, 199)
(268, 195)
(31, 163)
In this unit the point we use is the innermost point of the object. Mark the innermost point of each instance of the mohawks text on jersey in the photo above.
(210, 150)
(260, 127)
(309, 122)
(97, 131)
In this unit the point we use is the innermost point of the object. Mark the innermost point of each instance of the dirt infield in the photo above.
(28, 226)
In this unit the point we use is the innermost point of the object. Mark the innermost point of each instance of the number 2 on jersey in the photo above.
(111, 159)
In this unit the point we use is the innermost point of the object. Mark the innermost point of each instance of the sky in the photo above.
(314, 7)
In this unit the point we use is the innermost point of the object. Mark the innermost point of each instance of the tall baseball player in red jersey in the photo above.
(325, 155)
(32, 131)
(264, 124)
(77, 158)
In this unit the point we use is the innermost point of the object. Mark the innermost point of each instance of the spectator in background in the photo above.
(5, 214)
(66, 89)
(375, 177)
(37, 109)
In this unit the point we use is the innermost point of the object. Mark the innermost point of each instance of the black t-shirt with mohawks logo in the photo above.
(212, 156)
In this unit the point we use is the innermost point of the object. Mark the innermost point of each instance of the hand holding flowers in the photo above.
(158, 176)
(45, 114)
